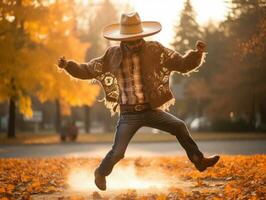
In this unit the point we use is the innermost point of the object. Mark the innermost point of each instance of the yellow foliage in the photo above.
(65, 108)
(56, 84)
(25, 106)
(29, 59)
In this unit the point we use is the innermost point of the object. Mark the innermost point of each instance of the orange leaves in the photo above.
(10, 188)
(2, 190)
(234, 177)
(35, 184)
(31, 63)
(25, 178)
(25, 106)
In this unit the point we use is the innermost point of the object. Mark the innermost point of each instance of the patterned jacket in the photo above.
(157, 63)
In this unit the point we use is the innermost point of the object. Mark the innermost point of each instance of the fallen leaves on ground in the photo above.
(234, 177)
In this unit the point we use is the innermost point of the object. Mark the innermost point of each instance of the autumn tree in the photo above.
(93, 21)
(241, 80)
(187, 31)
(92, 33)
(33, 35)
(63, 39)
(18, 53)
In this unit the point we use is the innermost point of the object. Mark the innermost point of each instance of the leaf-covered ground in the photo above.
(234, 177)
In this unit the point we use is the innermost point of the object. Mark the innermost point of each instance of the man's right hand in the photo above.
(62, 62)
(201, 46)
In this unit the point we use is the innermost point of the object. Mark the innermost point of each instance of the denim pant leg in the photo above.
(167, 122)
(125, 130)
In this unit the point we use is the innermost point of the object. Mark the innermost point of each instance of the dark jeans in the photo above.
(129, 123)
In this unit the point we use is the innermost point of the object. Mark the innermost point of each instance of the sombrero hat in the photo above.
(130, 28)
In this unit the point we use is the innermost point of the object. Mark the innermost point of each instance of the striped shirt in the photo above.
(129, 74)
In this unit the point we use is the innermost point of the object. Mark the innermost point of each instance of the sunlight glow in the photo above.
(79, 180)
(168, 13)
(82, 180)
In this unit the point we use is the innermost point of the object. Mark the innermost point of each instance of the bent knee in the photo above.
(117, 155)
(183, 125)
(179, 127)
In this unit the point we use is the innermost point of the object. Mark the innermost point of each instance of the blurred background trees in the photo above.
(231, 82)
(34, 35)
(18, 56)
(239, 89)
(187, 31)
(95, 21)
(227, 94)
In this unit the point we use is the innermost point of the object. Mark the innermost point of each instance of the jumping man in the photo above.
(135, 78)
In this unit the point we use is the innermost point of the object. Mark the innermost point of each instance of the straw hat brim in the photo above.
(112, 32)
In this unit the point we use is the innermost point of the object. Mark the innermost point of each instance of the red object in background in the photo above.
(72, 132)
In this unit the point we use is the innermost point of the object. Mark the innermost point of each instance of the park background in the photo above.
(223, 103)
(228, 93)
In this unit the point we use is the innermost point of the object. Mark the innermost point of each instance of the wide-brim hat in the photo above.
(131, 28)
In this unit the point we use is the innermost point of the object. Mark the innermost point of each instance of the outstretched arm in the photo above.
(77, 70)
(187, 63)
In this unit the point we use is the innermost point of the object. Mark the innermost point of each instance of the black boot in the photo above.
(99, 180)
(204, 163)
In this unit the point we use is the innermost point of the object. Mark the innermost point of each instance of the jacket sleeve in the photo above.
(89, 70)
(184, 64)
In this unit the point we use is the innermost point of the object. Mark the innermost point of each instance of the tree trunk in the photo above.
(57, 116)
(262, 110)
(87, 119)
(11, 118)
